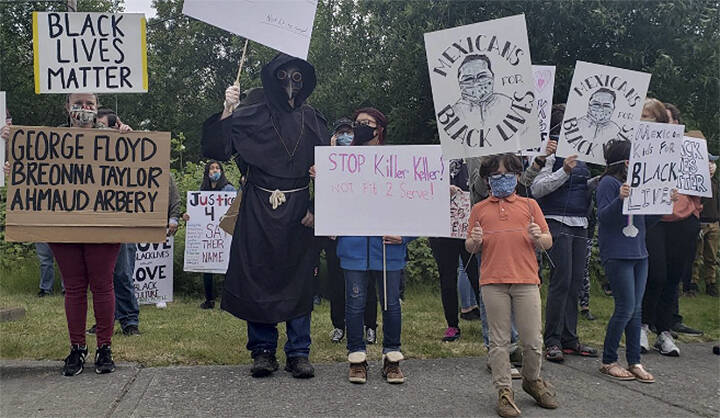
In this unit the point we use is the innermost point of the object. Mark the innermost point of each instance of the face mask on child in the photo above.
(344, 139)
(502, 185)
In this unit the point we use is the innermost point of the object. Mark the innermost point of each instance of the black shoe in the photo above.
(681, 328)
(300, 367)
(208, 304)
(130, 330)
(711, 290)
(473, 315)
(92, 330)
(75, 362)
(42, 293)
(554, 354)
(716, 349)
(317, 300)
(585, 313)
(264, 364)
(606, 289)
(104, 360)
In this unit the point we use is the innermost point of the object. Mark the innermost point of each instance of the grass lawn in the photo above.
(183, 334)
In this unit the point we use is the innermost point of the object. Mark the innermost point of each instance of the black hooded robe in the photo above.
(270, 273)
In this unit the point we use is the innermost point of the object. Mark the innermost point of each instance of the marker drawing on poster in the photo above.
(3, 115)
(654, 168)
(483, 88)
(207, 246)
(459, 214)
(602, 104)
(384, 190)
(694, 172)
(544, 88)
(89, 52)
(285, 25)
(153, 276)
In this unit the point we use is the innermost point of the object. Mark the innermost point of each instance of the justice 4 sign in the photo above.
(207, 246)
(603, 104)
(483, 88)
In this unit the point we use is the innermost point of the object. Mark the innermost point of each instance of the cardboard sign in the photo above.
(3, 113)
(89, 52)
(653, 170)
(544, 88)
(284, 25)
(153, 276)
(459, 214)
(694, 173)
(382, 190)
(483, 88)
(207, 246)
(602, 105)
(87, 185)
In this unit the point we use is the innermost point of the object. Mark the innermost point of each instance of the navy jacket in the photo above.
(366, 253)
(573, 197)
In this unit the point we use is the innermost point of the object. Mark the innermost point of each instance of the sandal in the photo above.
(581, 350)
(616, 372)
(641, 374)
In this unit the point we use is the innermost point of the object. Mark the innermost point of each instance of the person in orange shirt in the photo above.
(508, 228)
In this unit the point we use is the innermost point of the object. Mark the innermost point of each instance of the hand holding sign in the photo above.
(477, 233)
(570, 163)
(534, 231)
(624, 191)
(392, 240)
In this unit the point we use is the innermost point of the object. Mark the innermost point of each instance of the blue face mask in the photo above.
(215, 176)
(502, 185)
(344, 139)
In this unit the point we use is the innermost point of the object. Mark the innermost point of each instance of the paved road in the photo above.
(686, 386)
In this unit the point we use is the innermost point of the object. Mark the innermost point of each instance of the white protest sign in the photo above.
(153, 276)
(653, 169)
(207, 246)
(3, 113)
(694, 173)
(285, 25)
(483, 88)
(90, 52)
(544, 88)
(459, 214)
(382, 190)
(602, 105)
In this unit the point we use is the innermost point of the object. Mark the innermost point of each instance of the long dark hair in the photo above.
(207, 183)
(616, 153)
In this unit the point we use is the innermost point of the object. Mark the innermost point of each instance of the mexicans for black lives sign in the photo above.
(87, 185)
(89, 52)
(483, 88)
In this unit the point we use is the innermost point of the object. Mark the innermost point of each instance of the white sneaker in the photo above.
(644, 343)
(514, 373)
(666, 345)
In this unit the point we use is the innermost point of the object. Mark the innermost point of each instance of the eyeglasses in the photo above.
(498, 176)
(295, 76)
(364, 123)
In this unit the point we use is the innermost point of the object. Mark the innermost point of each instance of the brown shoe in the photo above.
(641, 374)
(358, 367)
(542, 391)
(391, 367)
(506, 403)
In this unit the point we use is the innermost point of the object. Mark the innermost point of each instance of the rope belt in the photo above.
(277, 197)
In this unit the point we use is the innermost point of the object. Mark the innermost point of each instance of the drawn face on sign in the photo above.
(476, 79)
(601, 106)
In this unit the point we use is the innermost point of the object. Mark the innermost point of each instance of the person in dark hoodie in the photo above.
(270, 273)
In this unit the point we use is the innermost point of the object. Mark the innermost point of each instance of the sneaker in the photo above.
(606, 289)
(581, 350)
(691, 293)
(317, 300)
(716, 350)
(264, 364)
(92, 330)
(104, 360)
(473, 315)
(585, 313)
(554, 353)
(666, 345)
(130, 330)
(75, 362)
(336, 335)
(208, 304)
(506, 403)
(370, 336)
(42, 293)
(514, 373)
(516, 356)
(358, 367)
(681, 328)
(300, 367)
(542, 392)
(391, 367)
(644, 343)
(711, 290)
(451, 334)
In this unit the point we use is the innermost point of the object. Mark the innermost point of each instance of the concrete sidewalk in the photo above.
(686, 386)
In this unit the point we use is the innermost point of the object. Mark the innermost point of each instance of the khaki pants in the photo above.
(707, 254)
(501, 300)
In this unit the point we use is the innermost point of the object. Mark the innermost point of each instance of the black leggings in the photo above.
(671, 248)
(446, 252)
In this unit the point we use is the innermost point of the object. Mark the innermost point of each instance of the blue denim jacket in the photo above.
(366, 253)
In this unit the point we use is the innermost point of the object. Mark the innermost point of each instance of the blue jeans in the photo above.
(627, 279)
(47, 268)
(484, 321)
(467, 293)
(126, 304)
(356, 287)
(263, 338)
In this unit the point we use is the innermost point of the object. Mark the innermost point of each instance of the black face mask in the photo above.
(363, 134)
